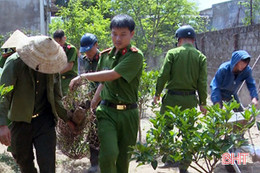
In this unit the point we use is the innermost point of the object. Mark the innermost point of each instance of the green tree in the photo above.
(187, 136)
(157, 21)
(61, 2)
(81, 16)
(252, 9)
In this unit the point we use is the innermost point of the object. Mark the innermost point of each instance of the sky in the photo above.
(204, 4)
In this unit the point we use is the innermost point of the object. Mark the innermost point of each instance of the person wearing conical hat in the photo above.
(9, 46)
(71, 69)
(34, 104)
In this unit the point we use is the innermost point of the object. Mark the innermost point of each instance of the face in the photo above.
(8, 53)
(121, 37)
(92, 52)
(61, 41)
(240, 66)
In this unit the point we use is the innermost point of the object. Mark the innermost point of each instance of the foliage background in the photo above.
(156, 22)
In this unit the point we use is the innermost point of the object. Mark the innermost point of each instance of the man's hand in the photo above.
(203, 109)
(74, 83)
(93, 105)
(254, 101)
(5, 135)
(72, 126)
(156, 99)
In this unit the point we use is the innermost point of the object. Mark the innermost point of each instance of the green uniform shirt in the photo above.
(41, 101)
(128, 63)
(184, 69)
(72, 56)
(2, 61)
(19, 104)
(85, 65)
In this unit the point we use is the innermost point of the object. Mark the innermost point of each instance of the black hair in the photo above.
(247, 60)
(122, 21)
(58, 33)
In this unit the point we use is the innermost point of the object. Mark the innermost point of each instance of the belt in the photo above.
(182, 93)
(45, 111)
(118, 106)
(67, 76)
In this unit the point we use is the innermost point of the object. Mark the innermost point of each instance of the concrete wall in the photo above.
(227, 15)
(219, 45)
(22, 14)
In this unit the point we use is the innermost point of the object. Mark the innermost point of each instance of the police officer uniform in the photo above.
(118, 114)
(66, 77)
(34, 104)
(184, 72)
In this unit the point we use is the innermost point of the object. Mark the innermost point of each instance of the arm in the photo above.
(8, 78)
(68, 67)
(72, 56)
(80, 65)
(250, 82)
(202, 81)
(101, 76)
(96, 98)
(164, 75)
(215, 87)
(62, 113)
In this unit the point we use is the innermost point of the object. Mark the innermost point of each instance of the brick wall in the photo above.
(219, 45)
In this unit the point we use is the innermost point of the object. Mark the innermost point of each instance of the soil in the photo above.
(67, 165)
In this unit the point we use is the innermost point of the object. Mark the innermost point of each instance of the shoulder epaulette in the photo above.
(106, 50)
(133, 49)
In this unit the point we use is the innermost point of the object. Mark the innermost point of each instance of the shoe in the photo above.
(94, 169)
(170, 164)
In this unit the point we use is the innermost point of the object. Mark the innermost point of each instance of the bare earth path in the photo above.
(66, 165)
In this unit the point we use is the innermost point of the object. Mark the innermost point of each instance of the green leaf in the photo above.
(258, 125)
(154, 164)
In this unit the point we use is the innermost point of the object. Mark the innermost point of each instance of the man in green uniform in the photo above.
(87, 63)
(34, 104)
(184, 72)
(70, 71)
(7, 52)
(119, 70)
(10, 45)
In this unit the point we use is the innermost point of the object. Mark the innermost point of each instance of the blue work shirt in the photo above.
(226, 84)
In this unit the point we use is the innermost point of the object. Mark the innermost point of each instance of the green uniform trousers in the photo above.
(187, 101)
(117, 130)
(40, 134)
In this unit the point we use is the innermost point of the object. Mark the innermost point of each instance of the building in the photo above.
(31, 15)
(227, 14)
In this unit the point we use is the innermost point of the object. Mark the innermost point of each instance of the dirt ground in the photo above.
(67, 165)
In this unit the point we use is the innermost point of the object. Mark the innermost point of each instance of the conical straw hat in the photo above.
(14, 40)
(42, 54)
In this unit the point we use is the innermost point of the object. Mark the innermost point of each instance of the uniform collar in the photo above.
(95, 58)
(121, 51)
(66, 46)
(187, 45)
